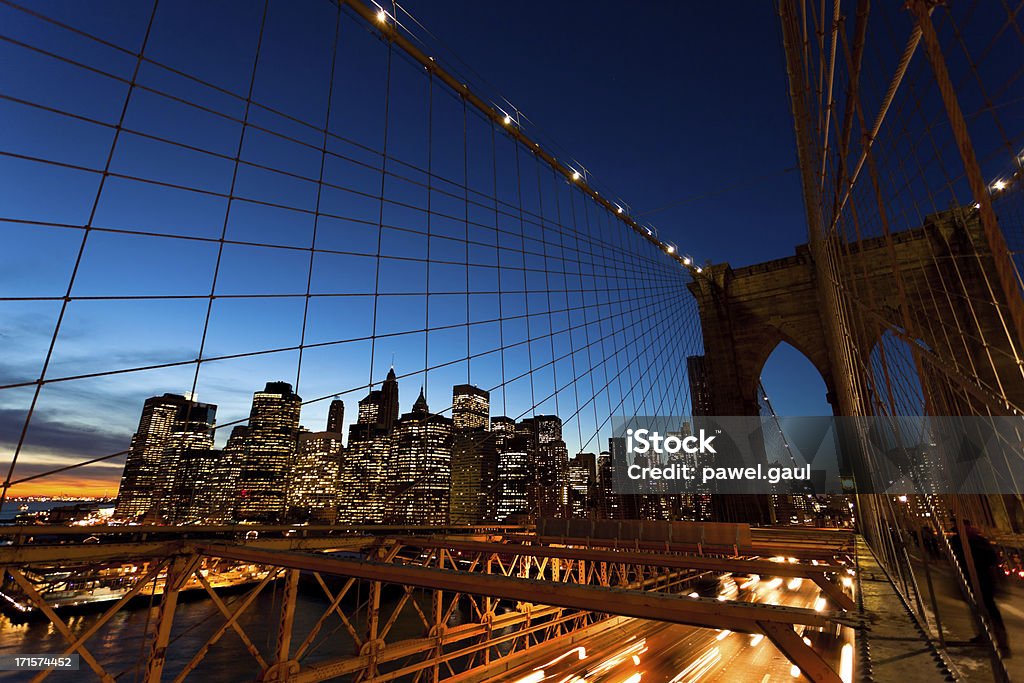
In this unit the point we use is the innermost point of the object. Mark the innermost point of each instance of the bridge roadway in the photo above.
(668, 652)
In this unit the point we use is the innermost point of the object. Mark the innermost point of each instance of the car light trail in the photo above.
(699, 667)
(846, 663)
(580, 651)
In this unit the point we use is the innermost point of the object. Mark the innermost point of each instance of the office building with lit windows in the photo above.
(474, 495)
(269, 452)
(190, 499)
(583, 485)
(474, 457)
(363, 484)
(420, 467)
(222, 491)
(549, 465)
(169, 424)
(380, 407)
(513, 469)
(336, 417)
(313, 483)
(471, 407)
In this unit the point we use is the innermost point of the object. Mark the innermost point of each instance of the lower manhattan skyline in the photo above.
(396, 467)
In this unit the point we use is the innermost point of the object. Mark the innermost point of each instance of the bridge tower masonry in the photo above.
(746, 312)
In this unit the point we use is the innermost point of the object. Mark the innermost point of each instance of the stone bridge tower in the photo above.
(942, 306)
(961, 348)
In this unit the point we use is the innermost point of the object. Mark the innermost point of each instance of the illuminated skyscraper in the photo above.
(421, 467)
(513, 475)
(380, 407)
(471, 407)
(700, 391)
(474, 458)
(363, 480)
(269, 453)
(190, 499)
(474, 477)
(550, 466)
(223, 486)
(608, 502)
(503, 428)
(312, 490)
(369, 410)
(168, 424)
(583, 485)
(513, 481)
(363, 474)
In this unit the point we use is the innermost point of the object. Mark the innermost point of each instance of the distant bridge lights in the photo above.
(999, 185)
(507, 120)
(575, 175)
(382, 16)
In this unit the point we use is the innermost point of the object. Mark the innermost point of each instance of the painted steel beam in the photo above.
(701, 563)
(704, 612)
(802, 551)
(709, 563)
(32, 530)
(800, 653)
(92, 553)
(85, 553)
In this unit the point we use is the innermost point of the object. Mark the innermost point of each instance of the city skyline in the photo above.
(221, 432)
(273, 468)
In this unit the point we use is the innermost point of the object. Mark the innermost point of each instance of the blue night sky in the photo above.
(662, 106)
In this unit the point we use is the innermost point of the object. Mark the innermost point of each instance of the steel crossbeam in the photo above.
(817, 574)
(709, 613)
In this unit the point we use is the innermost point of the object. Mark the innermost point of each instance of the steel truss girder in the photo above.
(86, 554)
(704, 612)
(705, 563)
(539, 611)
(776, 622)
(797, 548)
(799, 653)
(143, 531)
